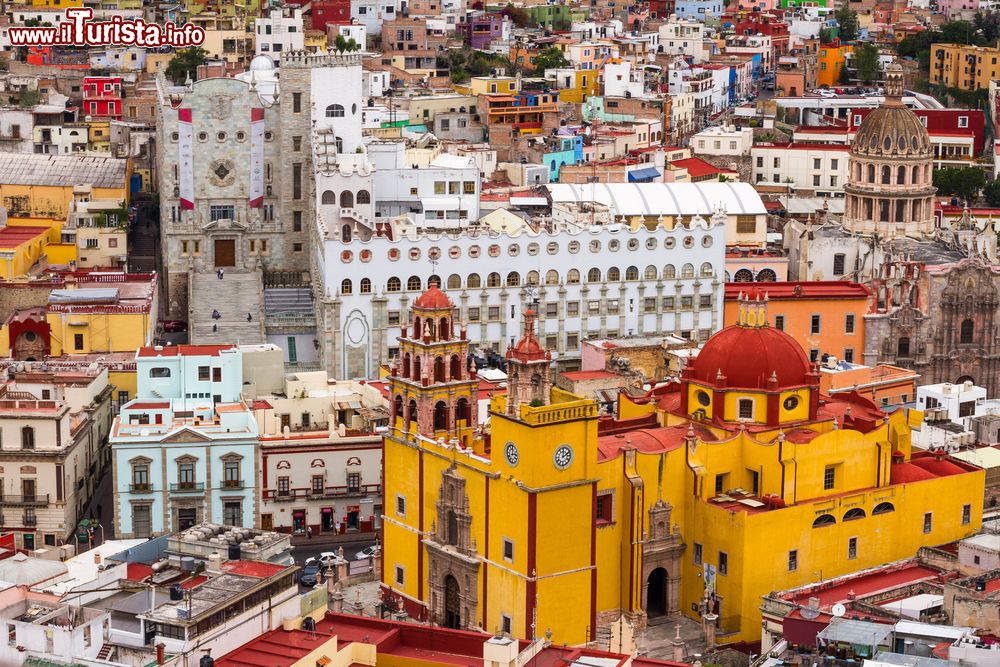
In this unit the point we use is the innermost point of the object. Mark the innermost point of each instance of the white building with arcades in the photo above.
(654, 264)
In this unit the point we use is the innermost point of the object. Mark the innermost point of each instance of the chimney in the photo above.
(160, 650)
(97, 558)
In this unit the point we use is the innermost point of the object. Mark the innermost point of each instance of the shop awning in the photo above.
(644, 174)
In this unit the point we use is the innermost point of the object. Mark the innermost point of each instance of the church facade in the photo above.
(558, 522)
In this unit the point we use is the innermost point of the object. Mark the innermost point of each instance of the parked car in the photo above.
(175, 326)
(325, 559)
(309, 575)
(365, 553)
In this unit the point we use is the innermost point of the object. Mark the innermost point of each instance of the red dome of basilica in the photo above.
(433, 298)
(748, 356)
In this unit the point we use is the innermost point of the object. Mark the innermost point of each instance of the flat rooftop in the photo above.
(62, 170)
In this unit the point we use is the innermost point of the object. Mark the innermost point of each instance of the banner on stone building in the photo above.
(256, 158)
(185, 158)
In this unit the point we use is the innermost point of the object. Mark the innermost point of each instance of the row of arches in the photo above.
(347, 199)
(441, 422)
(889, 209)
(552, 277)
(872, 174)
(442, 371)
(439, 330)
(852, 515)
(763, 276)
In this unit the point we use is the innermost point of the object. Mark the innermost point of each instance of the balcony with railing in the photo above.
(33, 500)
(232, 484)
(311, 493)
(144, 487)
(29, 519)
(187, 487)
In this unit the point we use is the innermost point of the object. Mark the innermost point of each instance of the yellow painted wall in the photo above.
(51, 202)
(61, 253)
(117, 332)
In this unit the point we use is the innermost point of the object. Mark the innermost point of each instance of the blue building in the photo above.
(184, 451)
(698, 9)
(563, 150)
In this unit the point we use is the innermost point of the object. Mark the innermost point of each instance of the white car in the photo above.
(325, 559)
(366, 553)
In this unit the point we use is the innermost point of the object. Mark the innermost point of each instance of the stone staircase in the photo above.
(234, 296)
(105, 652)
(298, 300)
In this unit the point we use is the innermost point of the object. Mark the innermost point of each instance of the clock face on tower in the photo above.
(511, 454)
(563, 456)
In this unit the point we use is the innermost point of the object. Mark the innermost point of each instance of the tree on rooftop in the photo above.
(550, 58)
(959, 32)
(847, 20)
(988, 25)
(866, 62)
(185, 64)
(963, 183)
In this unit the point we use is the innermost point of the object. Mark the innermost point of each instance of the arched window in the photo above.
(824, 520)
(871, 173)
(650, 273)
(614, 274)
(346, 199)
(434, 280)
(346, 286)
(329, 197)
(474, 280)
(397, 406)
(632, 273)
(440, 416)
(551, 277)
(456, 367)
(366, 286)
(886, 174)
(411, 412)
(454, 281)
(462, 410)
(743, 276)
(345, 233)
(513, 279)
(416, 369)
(364, 197)
(406, 365)
(335, 111)
(444, 331)
(669, 272)
(966, 333)
(439, 369)
(854, 513)
(493, 280)
(903, 347)
(594, 275)
(417, 330)
(687, 271)
(707, 270)
(572, 277)
(916, 176)
(393, 284)
(901, 175)
(159, 372)
(767, 276)
(883, 508)
(532, 278)
(413, 283)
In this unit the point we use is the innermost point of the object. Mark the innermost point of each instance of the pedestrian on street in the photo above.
(249, 317)
(337, 528)
(221, 273)
(215, 328)
(216, 315)
(309, 532)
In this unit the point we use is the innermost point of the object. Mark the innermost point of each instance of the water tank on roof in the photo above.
(206, 661)
(176, 593)
(234, 552)
(187, 563)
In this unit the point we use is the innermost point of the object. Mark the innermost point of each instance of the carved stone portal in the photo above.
(452, 560)
(661, 566)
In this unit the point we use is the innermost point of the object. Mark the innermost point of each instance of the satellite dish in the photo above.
(838, 610)
(809, 612)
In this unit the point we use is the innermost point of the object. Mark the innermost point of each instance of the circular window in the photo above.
(633, 244)
(434, 252)
(221, 136)
(703, 398)
(365, 255)
(393, 254)
(454, 252)
(669, 242)
(241, 136)
(346, 256)
(513, 250)
(650, 244)
(614, 245)
(595, 246)
(203, 136)
(552, 248)
(574, 247)
(532, 249)
(494, 250)
(791, 402)
(174, 136)
(474, 251)
(688, 241)
(706, 241)
(268, 136)
(414, 253)
(30, 336)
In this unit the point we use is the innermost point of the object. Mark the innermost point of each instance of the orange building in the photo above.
(832, 60)
(824, 317)
(884, 385)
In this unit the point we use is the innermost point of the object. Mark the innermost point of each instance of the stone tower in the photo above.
(433, 394)
(528, 369)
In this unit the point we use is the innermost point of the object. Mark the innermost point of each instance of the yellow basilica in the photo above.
(697, 499)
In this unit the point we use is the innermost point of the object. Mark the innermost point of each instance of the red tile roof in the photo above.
(825, 289)
(865, 584)
(11, 237)
(696, 167)
(150, 406)
(138, 571)
(252, 568)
